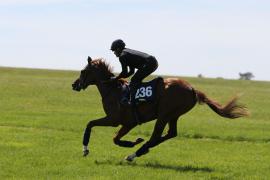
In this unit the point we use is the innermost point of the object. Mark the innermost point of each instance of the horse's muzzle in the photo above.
(76, 86)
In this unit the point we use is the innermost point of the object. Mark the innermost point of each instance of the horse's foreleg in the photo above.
(99, 122)
(122, 132)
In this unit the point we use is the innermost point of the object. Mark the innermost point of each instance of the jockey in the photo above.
(131, 60)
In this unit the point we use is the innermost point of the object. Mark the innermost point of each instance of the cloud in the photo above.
(178, 34)
(30, 2)
(128, 1)
(40, 2)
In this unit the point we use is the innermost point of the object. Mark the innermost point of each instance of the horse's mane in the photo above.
(106, 68)
(103, 66)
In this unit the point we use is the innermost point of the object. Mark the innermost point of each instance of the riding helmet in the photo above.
(119, 43)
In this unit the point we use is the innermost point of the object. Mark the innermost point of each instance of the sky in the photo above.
(215, 38)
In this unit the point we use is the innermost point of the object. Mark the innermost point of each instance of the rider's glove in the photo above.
(111, 80)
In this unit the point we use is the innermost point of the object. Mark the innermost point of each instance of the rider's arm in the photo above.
(124, 73)
(131, 71)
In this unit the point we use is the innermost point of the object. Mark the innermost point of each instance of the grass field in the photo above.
(42, 122)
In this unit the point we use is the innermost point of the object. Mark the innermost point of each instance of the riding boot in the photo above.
(125, 100)
(133, 88)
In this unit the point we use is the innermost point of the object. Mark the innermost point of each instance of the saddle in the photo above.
(145, 92)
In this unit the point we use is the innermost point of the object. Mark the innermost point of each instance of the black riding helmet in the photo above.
(118, 44)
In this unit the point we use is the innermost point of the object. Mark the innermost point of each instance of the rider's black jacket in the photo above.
(133, 59)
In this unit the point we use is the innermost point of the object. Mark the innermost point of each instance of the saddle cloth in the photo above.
(145, 92)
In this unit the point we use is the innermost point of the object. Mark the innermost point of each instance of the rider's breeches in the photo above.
(145, 71)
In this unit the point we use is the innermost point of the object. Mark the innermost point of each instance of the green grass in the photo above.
(42, 122)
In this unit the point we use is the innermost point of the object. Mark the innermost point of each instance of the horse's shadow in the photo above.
(157, 165)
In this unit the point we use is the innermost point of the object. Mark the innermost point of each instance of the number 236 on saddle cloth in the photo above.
(145, 92)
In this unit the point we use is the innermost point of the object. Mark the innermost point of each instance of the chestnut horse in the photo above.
(175, 97)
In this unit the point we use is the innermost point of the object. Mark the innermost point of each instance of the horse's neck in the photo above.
(106, 90)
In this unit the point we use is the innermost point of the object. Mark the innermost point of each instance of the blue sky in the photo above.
(215, 38)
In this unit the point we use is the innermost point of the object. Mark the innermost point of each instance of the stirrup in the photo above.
(125, 102)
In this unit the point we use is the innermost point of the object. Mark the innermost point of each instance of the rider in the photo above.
(132, 59)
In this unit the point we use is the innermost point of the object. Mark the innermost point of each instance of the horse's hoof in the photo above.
(130, 158)
(139, 140)
(85, 153)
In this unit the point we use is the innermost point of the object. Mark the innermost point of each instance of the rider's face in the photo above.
(117, 52)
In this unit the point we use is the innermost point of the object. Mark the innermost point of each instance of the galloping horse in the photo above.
(175, 97)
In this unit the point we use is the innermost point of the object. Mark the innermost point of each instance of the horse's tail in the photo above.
(231, 110)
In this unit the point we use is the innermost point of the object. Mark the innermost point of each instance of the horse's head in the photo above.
(94, 72)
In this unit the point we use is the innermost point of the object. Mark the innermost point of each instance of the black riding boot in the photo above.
(133, 88)
(125, 98)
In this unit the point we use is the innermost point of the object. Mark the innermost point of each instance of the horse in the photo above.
(175, 97)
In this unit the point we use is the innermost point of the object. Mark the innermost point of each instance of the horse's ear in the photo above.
(89, 59)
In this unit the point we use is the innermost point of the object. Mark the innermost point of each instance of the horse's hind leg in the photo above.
(122, 132)
(154, 140)
(156, 137)
(172, 132)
